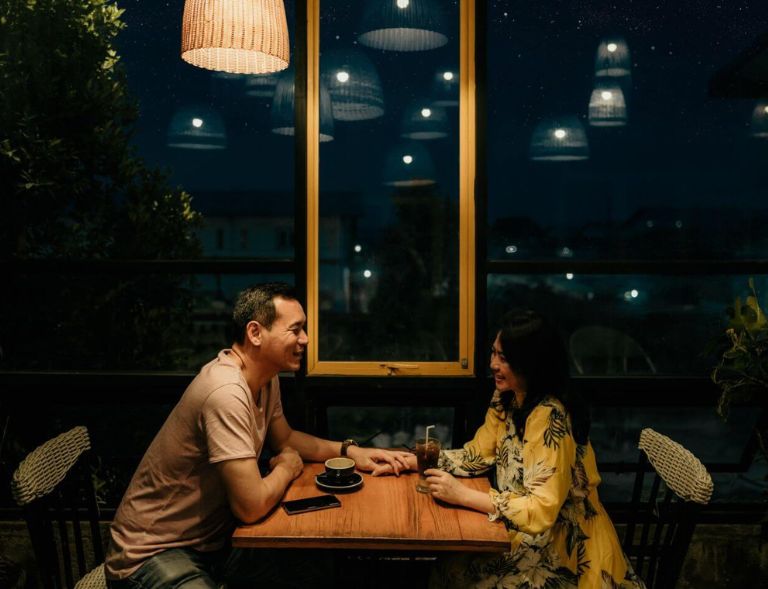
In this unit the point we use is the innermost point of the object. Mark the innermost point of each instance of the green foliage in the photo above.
(72, 187)
(71, 184)
(742, 372)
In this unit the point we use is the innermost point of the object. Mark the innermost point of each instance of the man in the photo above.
(173, 524)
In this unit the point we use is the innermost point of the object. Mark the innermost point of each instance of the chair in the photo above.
(603, 350)
(663, 515)
(53, 486)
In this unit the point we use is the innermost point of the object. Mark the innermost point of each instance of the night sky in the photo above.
(680, 148)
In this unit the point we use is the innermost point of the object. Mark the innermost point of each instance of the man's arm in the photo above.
(314, 449)
(250, 496)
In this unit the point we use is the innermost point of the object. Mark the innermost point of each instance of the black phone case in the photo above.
(310, 504)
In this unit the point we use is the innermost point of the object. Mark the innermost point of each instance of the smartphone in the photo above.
(310, 504)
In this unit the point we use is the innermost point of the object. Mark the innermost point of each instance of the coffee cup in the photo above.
(339, 470)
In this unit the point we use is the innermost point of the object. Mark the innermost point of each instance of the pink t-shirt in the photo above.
(176, 497)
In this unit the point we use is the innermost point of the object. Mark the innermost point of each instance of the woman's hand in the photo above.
(379, 461)
(445, 487)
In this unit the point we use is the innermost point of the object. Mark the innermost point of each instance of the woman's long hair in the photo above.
(534, 350)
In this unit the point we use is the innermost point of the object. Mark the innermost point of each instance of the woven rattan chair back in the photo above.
(53, 486)
(664, 509)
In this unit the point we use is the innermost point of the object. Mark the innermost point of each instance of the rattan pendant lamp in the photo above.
(236, 36)
(403, 25)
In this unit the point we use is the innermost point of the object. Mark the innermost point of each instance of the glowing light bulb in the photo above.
(511, 249)
(342, 76)
(606, 94)
(407, 159)
(448, 76)
(569, 276)
(560, 133)
(403, 3)
(634, 293)
(367, 273)
(197, 122)
(612, 47)
(765, 109)
(358, 248)
(426, 113)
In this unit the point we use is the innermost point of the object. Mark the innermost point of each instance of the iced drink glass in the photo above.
(427, 454)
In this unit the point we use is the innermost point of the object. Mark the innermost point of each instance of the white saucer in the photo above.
(356, 480)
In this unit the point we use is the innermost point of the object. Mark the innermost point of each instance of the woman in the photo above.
(536, 434)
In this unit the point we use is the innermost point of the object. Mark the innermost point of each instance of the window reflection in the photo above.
(628, 325)
(602, 131)
(227, 139)
(389, 184)
(390, 427)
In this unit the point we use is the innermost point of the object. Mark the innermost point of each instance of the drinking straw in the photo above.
(426, 436)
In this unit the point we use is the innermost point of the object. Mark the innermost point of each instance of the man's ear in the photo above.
(253, 331)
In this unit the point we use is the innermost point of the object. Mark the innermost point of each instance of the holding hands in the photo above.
(378, 461)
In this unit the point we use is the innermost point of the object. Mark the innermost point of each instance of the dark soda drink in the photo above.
(427, 455)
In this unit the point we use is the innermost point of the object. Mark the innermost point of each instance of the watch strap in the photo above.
(346, 444)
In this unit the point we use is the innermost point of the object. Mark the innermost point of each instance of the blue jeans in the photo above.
(184, 568)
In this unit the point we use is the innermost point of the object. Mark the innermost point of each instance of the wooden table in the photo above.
(387, 513)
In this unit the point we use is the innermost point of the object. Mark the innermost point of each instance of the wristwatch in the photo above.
(346, 444)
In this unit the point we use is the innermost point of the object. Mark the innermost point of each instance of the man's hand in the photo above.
(290, 460)
(378, 461)
(445, 487)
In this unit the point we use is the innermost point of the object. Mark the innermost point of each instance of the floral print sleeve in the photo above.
(479, 454)
(548, 452)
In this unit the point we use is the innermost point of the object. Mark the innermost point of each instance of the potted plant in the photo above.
(742, 370)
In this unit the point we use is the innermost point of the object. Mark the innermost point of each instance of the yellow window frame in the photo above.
(464, 366)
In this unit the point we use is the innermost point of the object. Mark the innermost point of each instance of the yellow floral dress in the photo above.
(561, 537)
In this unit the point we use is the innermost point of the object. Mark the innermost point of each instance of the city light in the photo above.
(196, 122)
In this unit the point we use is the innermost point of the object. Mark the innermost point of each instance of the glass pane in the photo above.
(604, 140)
(616, 431)
(119, 322)
(390, 427)
(622, 325)
(389, 274)
(227, 139)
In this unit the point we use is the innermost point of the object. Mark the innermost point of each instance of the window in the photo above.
(616, 176)
(390, 245)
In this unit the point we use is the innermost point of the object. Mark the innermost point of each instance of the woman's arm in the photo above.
(549, 452)
(445, 487)
(479, 454)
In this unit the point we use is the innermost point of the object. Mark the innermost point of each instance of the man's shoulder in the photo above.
(216, 377)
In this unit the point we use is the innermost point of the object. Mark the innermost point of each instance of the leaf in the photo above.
(538, 475)
(557, 428)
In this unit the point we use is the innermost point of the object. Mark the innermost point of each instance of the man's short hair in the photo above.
(257, 303)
